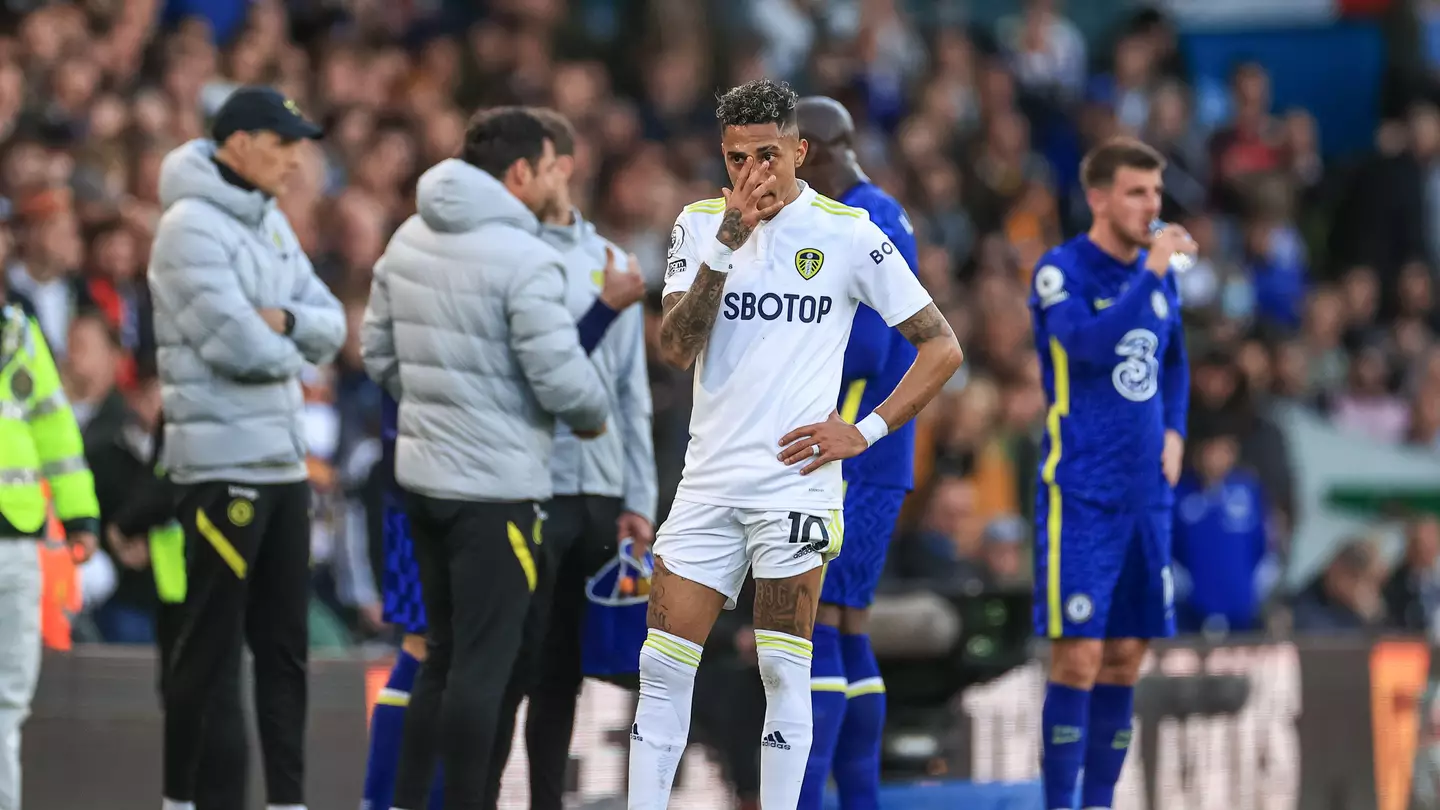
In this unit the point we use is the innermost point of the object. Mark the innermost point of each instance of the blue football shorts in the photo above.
(870, 516)
(1101, 573)
(404, 605)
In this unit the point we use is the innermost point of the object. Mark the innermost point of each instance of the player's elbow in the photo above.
(674, 351)
(677, 357)
(944, 352)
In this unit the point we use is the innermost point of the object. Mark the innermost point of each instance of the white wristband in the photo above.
(873, 428)
(720, 257)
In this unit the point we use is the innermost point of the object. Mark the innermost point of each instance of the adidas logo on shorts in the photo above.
(774, 740)
(816, 547)
(635, 732)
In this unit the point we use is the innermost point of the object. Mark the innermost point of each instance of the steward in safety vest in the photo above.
(39, 444)
(39, 439)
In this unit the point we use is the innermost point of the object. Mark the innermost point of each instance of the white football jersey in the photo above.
(775, 356)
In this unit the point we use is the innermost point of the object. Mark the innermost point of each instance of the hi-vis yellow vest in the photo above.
(39, 439)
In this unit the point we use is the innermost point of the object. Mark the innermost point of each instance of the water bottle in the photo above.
(1179, 262)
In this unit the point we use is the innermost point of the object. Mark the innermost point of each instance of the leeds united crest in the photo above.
(808, 262)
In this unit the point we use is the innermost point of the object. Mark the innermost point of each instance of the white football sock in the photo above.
(171, 804)
(789, 727)
(662, 717)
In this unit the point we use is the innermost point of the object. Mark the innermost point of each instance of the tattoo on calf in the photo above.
(785, 606)
(657, 617)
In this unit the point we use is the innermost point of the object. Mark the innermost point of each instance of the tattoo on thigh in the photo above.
(785, 606)
(657, 617)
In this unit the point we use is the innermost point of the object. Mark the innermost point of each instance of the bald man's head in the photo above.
(830, 165)
(823, 120)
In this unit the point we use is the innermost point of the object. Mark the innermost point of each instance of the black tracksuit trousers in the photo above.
(580, 539)
(480, 566)
(247, 554)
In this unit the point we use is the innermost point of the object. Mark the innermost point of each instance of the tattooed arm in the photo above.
(937, 359)
(689, 317)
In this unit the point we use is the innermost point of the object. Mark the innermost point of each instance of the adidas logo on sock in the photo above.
(635, 732)
(775, 740)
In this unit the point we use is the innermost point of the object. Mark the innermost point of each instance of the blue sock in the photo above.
(387, 726)
(1108, 741)
(857, 754)
(1062, 722)
(827, 704)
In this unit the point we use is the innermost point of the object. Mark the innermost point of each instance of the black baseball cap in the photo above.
(262, 109)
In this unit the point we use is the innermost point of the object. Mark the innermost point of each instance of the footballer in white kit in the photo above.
(773, 362)
(761, 289)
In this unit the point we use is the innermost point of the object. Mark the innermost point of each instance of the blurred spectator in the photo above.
(1006, 564)
(945, 552)
(115, 286)
(1220, 543)
(1380, 219)
(1220, 393)
(1250, 145)
(1412, 594)
(1275, 255)
(89, 374)
(1346, 597)
(1126, 88)
(49, 257)
(1046, 50)
(1366, 406)
(1361, 296)
(1424, 123)
(1322, 333)
(1302, 160)
(120, 457)
(1168, 128)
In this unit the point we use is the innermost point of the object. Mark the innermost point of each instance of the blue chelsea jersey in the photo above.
(877, 356)
(1112, 354)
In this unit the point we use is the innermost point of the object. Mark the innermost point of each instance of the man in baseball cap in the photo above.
(258, 135)
(239, 313)
(262, 109)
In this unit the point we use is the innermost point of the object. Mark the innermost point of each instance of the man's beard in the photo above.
(545, 211)
(556, 209)
(1142, 242)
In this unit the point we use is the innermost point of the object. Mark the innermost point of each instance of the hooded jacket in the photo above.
(467, 328)
(621, 463)
(230, 383)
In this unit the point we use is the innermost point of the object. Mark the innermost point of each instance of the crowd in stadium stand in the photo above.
(1316, 283)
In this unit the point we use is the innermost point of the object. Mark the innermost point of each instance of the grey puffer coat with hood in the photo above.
(467, 328)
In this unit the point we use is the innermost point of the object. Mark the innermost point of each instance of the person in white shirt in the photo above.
(760, 292)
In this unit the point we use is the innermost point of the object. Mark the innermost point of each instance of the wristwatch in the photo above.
(289, 322)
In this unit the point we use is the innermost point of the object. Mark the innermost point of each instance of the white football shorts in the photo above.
(716, 545)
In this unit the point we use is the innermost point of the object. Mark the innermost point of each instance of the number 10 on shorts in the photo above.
(815, 534)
